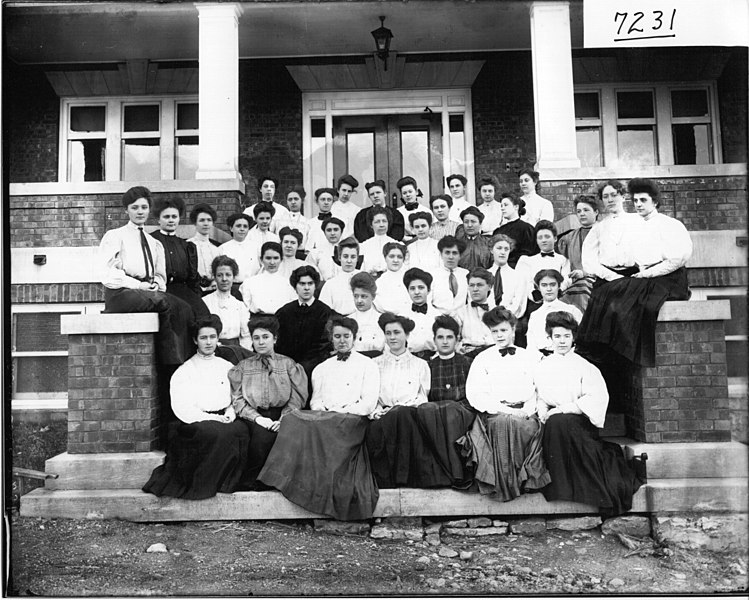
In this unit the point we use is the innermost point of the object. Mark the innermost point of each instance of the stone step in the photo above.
(660, 495)
(691, 459)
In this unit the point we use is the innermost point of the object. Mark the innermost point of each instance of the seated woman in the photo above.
(538, 208)
(291, 245)
(264, 389)
(622, 313)
(508, 289)
(371, 249)
(203, 217)
(241, 249)
(232, 312)
(545, 258)
(572, 402)
(505, 440)
(422, 250)
(269, 290)
(182, 279)
(392, 295)
(319, 461)
(570, 245)
(370, 340)
(133, 270)
(513, 208)
(207, 448)
(411, 442)
(547, 282)
(418, 285)
(336, 291)
(477, 254)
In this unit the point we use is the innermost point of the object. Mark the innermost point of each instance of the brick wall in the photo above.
(684, 398)
(701, 203)
(36, 293)
(732, 104)
(32, 118)
(270, 125)
(83, 220)
(113, 403)
(503, 122)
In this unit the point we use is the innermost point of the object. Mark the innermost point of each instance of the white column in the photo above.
(218, 89)
(553, 90)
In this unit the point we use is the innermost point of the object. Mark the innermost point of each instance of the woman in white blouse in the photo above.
(622, 313)
(536, 208)
(208, 447)
(572, 402)
(370, 340)
(505, 440)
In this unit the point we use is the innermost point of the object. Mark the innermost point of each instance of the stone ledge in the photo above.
(658, 496)
(117, 470)
(695, 310)
(109, 323)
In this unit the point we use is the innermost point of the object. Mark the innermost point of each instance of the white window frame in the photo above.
(45, 400)
(115, 135)
(662, 118)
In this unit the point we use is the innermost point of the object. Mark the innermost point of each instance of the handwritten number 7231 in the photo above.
(638, 20)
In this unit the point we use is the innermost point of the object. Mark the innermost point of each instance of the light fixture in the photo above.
(382, 37)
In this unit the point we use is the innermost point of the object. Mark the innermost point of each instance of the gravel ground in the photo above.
(64, 557)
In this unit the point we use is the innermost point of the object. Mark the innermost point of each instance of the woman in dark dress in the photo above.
(513, 226)
(207, 447)
(570, 244)
(572, 402)
(182, 277)
(264, 389)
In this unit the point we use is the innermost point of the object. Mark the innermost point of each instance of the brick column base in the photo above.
(113, 403)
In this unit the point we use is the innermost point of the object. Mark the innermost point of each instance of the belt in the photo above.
(216, 412)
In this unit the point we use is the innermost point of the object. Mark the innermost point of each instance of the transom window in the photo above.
(620, 126)
(133, 139)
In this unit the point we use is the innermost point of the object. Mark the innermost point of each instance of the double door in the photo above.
(389, 147)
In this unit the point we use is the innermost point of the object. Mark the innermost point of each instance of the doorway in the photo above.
(389, 147)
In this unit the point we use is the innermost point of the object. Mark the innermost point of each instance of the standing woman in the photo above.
(182, 278)
(537, 208)
(570, 245)
(207, 446)
(264, 389)
(572, 402)
(513, 208)
(203, 217)
(134, 277)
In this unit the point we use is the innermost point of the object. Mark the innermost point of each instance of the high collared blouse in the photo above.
(404, 380)
(121, 260)
(666, 247)
(245, 255)
(280, 383)
(612, 242)
(536, 336)
(199, 385)
(472, 328)
(233, 314)
(337, 294)
(266, 292)
(370, 336)
(350, 386)
(496, 381)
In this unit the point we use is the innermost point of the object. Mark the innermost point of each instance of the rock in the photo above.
(342, 527)
(456, 524)
(157, 548)
(433, 539)
(403, 522)
(716, 532)
(479, 522)
(629, 542)
(446, 552)
(475, 532)
(439, 583)
(465, 555)
(529, 526)
(616, 582)
(524, 570)
(631, 525)
(380, 532)
(424, 559)
(680, 576)
(498, 523)
(433, 528)
(574, 523)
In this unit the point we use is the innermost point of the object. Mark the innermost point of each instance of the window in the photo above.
(39, 354)
(627, 126)
(133, 139)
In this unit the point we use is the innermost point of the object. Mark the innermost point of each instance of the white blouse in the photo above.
(495, 381)
(537, 209)
(351, 386)
(200, 384)
(392, 295)
(612, 242)
(121, 259)
(337, 294)
(572, 384)
(245, 255)
(370, 336)
(233, 314)
(536, 336)
(404, 380)
(266, 292)
(666, 246)
(423, 254)
(371, 250)
(514, 295)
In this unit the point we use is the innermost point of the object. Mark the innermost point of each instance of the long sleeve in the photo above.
(350, 386)
(397, 228)
(121, 262)
(299, 389)
(193, 277)
(404, 380)
(200, 385)
(497, 382)
(667, 241)
(591, 252)
(594, 396)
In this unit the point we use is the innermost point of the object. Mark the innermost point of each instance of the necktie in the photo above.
(343, 355)
(411, 206)
(453, 283)
(419, 308)
(506, 351)
(545, 351)
(147, 258)
(265, 361)
(483, 305)
(323, 216)
(547, 254)
(498, 290)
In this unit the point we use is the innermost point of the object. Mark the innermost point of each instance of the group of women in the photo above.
(515, 420)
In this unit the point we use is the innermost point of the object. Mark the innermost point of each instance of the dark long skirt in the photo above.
(202, 459)
(173, 343)
(586, 469)
(261, 443)
(416, 446)
(508, 455)
(622, 315)
(193, 298)
(578, 294)
(319, 462)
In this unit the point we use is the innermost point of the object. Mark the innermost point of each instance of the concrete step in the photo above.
(660, 495)
(691, 459)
